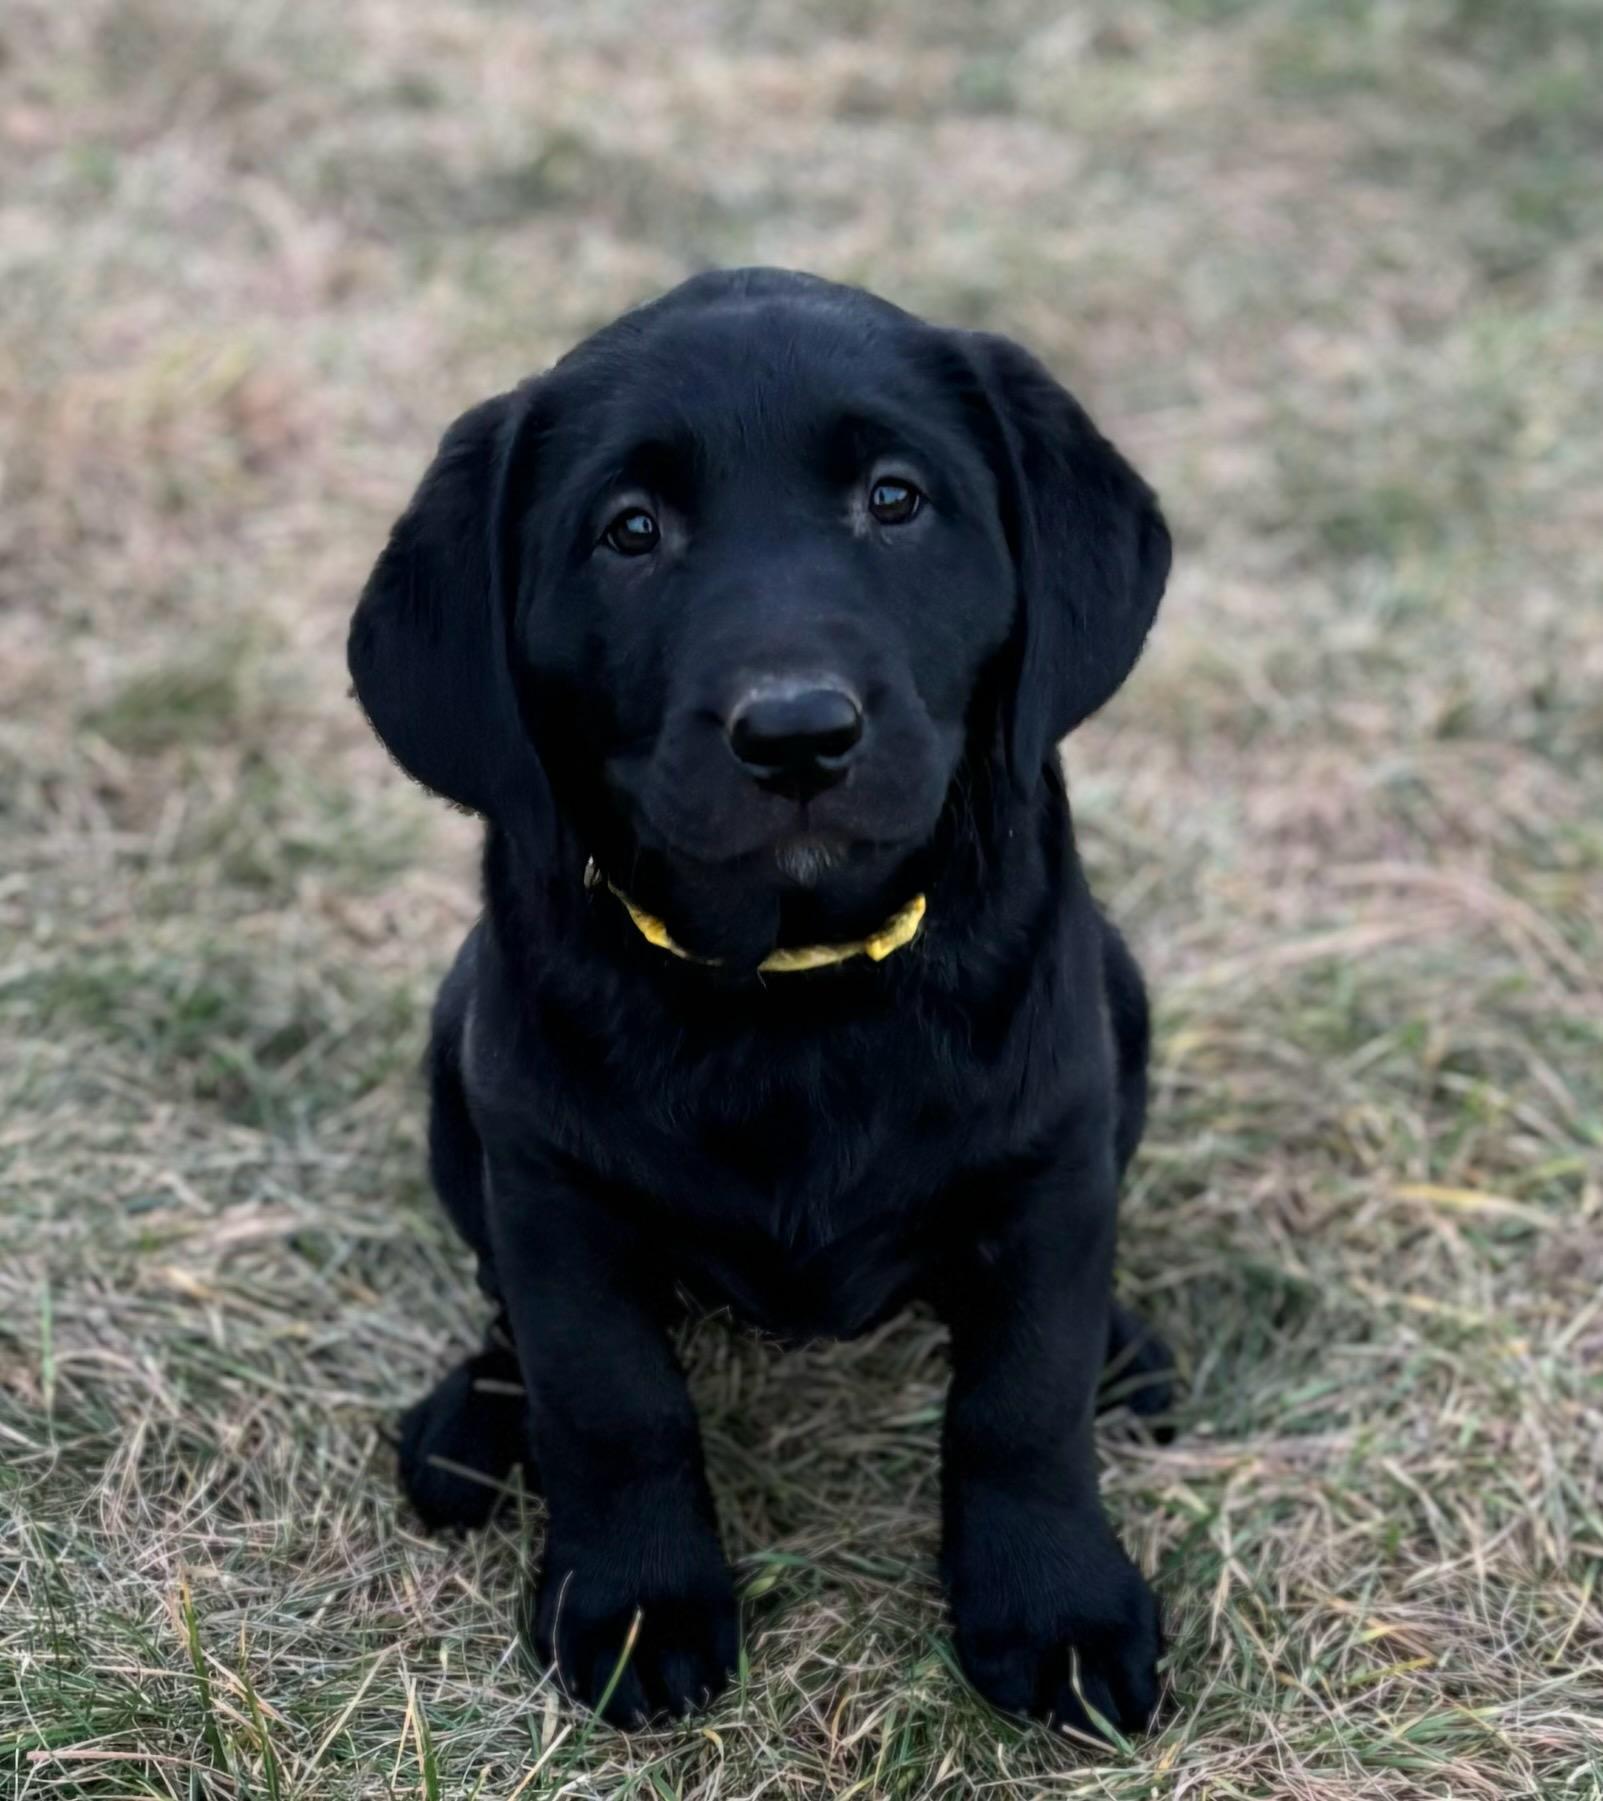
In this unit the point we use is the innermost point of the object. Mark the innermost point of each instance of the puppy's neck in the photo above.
(986, 874)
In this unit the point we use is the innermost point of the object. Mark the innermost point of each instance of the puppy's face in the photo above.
(742, 582)
(756, 597)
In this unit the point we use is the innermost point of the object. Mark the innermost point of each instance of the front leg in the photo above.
(1050, 1614)
(632, 1529)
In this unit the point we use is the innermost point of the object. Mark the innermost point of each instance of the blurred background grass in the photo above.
(1333, 275)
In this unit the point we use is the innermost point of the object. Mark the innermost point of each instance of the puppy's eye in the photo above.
(634, 533)
(894, 502)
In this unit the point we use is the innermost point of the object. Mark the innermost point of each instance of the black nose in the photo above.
(796, 734)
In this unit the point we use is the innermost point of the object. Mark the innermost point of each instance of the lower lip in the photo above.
(806, 859)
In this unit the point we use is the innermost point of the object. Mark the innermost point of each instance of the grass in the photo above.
(1334, 275)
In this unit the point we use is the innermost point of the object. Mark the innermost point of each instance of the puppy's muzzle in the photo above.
(796, 736)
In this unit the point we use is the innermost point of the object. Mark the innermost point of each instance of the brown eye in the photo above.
(633, 533)
(894, 502)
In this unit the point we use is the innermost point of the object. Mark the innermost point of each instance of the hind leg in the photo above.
(462, 1441)
(1140, 1366)
(1131, 1020)
(1139, 1373)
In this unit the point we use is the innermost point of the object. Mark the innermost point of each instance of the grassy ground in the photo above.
(1332, 271)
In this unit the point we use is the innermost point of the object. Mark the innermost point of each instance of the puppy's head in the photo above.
(743, 581)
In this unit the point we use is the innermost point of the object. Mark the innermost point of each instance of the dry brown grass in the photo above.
(1334, 274)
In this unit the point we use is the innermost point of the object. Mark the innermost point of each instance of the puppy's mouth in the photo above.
(802, 850)
(801, 838)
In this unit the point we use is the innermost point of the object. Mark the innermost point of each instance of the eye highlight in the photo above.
(892, 501)
(634, 533)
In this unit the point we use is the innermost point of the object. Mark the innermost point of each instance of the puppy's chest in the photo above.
(814, 1138)
(796, 1177)
(807, 1213)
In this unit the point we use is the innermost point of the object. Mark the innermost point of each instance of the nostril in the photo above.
(795, 728)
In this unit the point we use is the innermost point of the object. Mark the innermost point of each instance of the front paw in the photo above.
(591, 1591)
(1051, 1617)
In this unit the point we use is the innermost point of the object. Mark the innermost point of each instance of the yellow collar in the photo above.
(901, 928)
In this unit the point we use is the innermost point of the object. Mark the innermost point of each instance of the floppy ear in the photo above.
(428, 649)
(1090, 545)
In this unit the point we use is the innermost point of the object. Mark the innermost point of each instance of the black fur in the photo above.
(613, 1126)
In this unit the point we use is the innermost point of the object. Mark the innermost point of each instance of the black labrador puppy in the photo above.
(751, 629)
